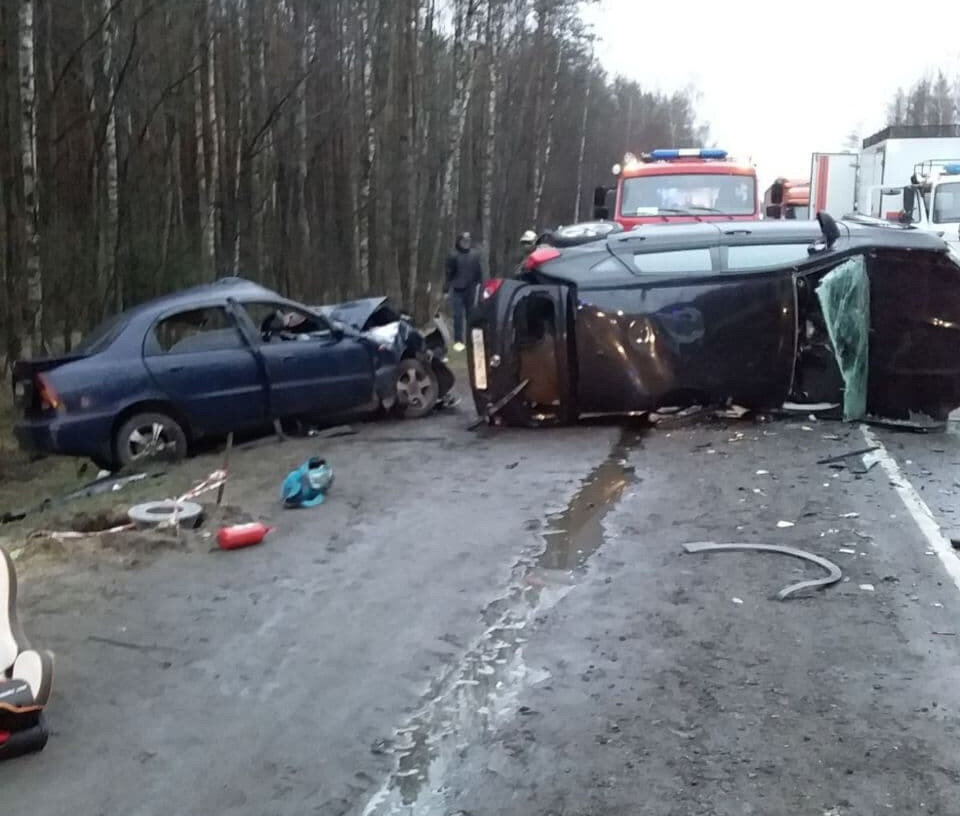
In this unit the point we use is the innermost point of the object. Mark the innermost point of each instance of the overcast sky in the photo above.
(779, 80)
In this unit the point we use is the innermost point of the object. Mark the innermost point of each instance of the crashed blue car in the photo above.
(222, 357)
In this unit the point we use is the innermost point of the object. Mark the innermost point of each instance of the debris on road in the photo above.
(307, 486)
(783, 525)
(850, 454)
(165, 513)
(866, 587)
(834, 571)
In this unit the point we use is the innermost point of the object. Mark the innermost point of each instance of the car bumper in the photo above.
(70, 436)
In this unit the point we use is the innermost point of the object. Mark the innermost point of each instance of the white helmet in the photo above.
(529, 237)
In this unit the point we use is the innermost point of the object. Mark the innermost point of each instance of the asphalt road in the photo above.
(435, 639)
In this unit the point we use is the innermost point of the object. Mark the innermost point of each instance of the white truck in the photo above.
(833, 183)
(911, 174)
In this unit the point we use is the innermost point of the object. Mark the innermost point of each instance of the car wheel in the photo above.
(417, 389)
(149, 436)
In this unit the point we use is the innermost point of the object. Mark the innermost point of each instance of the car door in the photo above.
(201, 362)
(311, 368)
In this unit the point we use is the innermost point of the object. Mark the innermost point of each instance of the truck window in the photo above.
(946, 203)
(680, 260)
(696, 193)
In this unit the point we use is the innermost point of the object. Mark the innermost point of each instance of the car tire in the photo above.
(149, 437)
(417, 389)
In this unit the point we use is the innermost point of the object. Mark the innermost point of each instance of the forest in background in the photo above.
(931, 100)
(327, 148)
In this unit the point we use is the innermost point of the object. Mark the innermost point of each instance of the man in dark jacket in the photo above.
(464, 276)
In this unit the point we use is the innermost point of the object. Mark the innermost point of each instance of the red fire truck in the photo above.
(680, 186)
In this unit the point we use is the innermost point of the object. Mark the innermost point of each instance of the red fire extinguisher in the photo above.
(242, 535)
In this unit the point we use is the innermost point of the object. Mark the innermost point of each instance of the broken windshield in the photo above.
(721, 193)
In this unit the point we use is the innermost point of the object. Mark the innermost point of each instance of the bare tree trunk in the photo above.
(98, 293)
(543, 158)
(28, 163)
(494, 38)
(243, 116)
(108, 245)
(213, 187)
(464, 65)
(370, 151)
(303, 221)
(412, 180)
(583, 142)
(206, 222)
(264, 192)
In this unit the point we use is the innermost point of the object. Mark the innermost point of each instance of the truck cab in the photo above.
(787, 200)
(931, 202)
(679, 186)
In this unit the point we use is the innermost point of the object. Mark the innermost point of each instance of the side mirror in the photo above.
(773, 211)
(776, 192)
(909, 199)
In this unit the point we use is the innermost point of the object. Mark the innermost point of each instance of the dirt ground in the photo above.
(505, 622)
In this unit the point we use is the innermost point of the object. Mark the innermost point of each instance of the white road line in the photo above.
(916, 506)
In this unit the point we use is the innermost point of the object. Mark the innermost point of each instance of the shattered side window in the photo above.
(680, 260)
(758, 256)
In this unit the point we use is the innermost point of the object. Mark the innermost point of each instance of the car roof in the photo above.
(206, 294)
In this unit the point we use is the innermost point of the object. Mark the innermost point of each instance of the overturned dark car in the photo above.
(851, 313)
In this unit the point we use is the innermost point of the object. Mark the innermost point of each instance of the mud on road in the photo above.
(506, 622)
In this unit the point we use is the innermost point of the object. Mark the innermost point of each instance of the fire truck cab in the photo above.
(680, 186)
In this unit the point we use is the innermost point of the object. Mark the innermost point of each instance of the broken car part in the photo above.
(497, 407)
(842, 456)
(708, 314)
(834, 571)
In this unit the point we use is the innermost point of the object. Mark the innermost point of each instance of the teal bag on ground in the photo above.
(307, 486)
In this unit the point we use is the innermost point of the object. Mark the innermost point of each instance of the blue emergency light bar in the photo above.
(952, 169)
(687, 153)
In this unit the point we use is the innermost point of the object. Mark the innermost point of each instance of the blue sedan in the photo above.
(222, 357)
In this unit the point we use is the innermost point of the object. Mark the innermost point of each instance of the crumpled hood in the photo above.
(356, 313)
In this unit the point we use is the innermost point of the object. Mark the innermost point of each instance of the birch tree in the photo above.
(28, 165)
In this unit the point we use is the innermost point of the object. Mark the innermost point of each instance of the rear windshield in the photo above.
(102, 336)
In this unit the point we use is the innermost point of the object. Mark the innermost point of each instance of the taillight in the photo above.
(491, 287)
(49, 398)
(541, 256)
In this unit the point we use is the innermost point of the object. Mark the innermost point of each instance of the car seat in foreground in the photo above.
(26, 675)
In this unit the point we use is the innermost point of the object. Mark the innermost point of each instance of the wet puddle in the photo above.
(480, 690)
(573, 535)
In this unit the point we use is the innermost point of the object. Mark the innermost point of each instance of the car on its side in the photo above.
(723, 313)
(226, 356)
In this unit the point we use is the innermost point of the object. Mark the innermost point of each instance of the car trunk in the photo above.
(28, 383)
